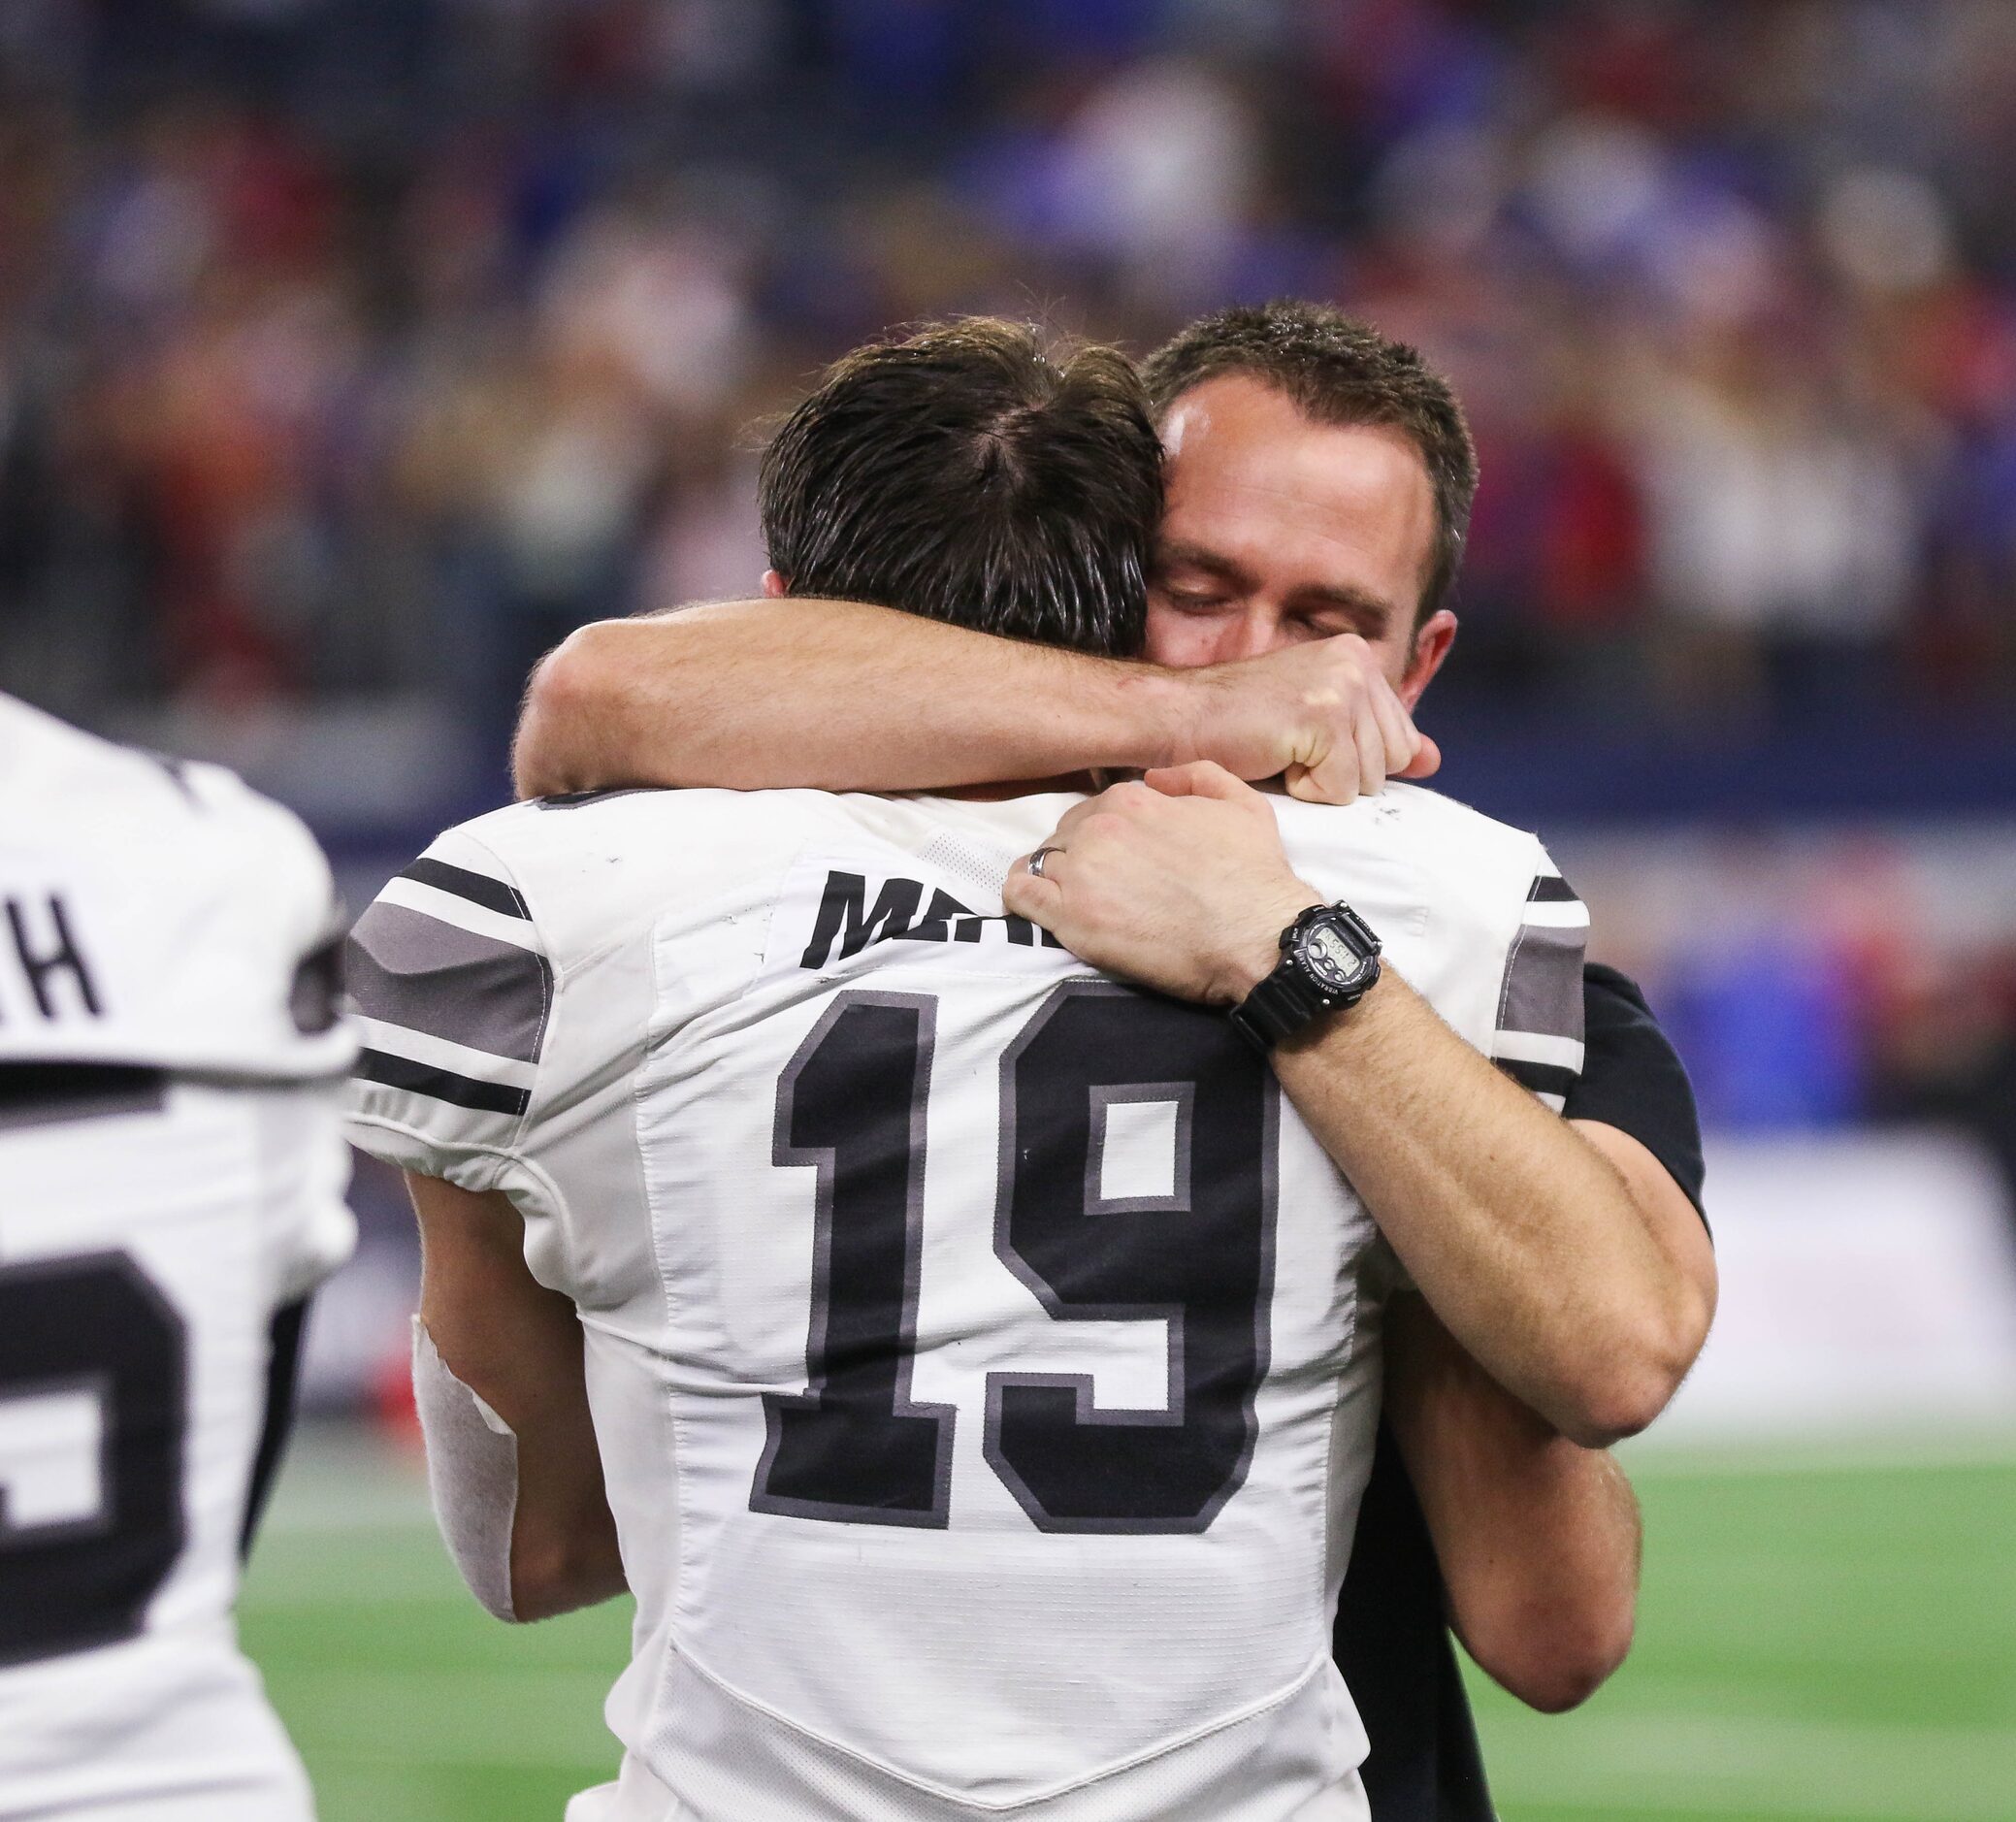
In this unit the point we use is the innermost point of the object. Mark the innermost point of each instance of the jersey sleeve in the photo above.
(451, 980)
(1538, 1035)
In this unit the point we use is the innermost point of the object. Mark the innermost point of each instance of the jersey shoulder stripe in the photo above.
(449, 974)
(418, 972)
(1543, 989)
(1539, 1039)
(493, 894)
(1551, 1082)
(441, 1085)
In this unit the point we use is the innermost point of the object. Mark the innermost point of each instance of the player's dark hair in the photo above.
(1339, 371)
(971, 476)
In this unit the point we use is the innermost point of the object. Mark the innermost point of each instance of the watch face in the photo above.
(1330, 959)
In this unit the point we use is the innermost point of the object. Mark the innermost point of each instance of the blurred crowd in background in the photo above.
(354, 350)
(348, 341)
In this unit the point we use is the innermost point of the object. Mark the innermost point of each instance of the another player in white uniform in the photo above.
(984, 1367)
(170, 1177)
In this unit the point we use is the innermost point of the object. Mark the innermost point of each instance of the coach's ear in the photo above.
(1431, 646)
(774, 585)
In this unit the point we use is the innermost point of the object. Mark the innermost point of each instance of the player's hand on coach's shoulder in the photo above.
(1177, 881)
(1320, 715)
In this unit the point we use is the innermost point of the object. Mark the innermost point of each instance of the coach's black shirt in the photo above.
(1391, 1644)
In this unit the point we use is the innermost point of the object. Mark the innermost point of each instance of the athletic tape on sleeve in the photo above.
(472, 1472)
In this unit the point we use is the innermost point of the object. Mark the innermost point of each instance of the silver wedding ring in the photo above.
(1037, 858)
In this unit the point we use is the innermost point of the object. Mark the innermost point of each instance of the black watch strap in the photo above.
(1277, 1007)
(1290, 998)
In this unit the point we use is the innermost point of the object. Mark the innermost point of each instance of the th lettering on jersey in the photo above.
(847, 920)
(43, 970)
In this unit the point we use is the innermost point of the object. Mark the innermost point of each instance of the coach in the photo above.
(1319, 484)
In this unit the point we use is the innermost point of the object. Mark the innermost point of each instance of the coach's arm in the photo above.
(904, 704)
(516, 1478)
(1561, 1255)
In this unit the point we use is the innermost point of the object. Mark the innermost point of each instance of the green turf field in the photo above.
(1830, 1644)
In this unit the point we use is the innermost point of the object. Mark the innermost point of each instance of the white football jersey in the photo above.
(171, 1175)
(983, 1359)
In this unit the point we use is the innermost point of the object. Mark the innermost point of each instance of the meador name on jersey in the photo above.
(847, 923)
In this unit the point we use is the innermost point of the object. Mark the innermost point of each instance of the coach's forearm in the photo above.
(1522, 1236)
(1529, 1241)
(837, 696)
(1537, 1537)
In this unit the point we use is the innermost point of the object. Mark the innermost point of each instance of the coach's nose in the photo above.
(1219, 639)
(1252, 629)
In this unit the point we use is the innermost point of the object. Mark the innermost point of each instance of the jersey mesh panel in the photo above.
(985, 872)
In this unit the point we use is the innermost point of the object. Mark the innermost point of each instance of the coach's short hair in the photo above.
(968, 475)
(1339, 371)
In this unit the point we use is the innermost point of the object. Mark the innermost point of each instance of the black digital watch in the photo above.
(1329, 959)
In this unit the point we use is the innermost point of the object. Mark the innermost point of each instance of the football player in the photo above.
(984, 1363)
(171, 1189)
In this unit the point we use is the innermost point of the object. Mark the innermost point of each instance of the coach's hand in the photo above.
(1179, 882)
(1321, 715)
